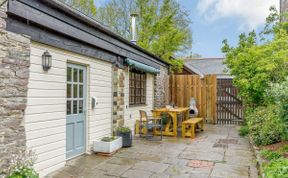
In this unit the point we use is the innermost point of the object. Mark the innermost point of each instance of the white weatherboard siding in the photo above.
(132, 113)
(45, 116)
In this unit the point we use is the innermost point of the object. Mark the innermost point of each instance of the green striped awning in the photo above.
(142, 67)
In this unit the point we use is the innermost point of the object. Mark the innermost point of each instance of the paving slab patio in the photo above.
(218, 152)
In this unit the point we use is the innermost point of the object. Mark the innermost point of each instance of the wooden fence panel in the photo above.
(183, 87)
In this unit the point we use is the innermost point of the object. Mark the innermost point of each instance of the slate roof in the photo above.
(206, 66)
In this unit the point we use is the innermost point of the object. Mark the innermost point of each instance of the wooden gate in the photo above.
(183, 87)
(229, 105)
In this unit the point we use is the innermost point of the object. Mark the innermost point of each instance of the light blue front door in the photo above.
(75, 108)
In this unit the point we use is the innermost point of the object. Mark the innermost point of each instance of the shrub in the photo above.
(279, 94)
(21, 165)
(277, 168)
(123, 129)
(244, 130)
(24, 172)
(283, 149)
(270, 155)
(265, 126)
(108, 139)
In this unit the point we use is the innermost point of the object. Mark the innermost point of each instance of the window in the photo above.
(137, 88)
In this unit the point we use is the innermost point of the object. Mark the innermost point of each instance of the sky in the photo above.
(216, 20)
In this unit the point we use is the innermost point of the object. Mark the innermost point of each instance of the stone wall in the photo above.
(118, 97)
(161, 90)
(14, 74)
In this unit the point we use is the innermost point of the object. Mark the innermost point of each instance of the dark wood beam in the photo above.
(49, 38)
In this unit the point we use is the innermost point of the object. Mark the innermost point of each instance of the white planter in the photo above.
(107, 147)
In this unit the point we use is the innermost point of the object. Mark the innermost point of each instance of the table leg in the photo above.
(187, 115)
(137, 127)
(183, 130)
(202, 125)
(193, 131)
(175, 125)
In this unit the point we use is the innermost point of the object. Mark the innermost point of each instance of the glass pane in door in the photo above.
(69, 90)
(75, 75)
(75, 108)
(69, 74)
(81, 76)
(68, 107)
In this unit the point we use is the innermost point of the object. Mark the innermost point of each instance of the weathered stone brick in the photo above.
(25, 63)
(3, 14)
(21, 39)
(14, 92)
(161, 89)
(118, 97)
(2, 23)
(6, 73)
(23, 73)
(16, 106)
(14, 73)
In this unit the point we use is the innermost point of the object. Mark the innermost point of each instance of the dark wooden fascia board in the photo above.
(49, 38)
(39, 13)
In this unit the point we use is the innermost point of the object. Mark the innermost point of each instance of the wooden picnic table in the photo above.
(170, 128)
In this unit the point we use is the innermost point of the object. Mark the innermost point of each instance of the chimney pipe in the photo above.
(133, 15)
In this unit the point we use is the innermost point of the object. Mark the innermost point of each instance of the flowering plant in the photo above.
(21, 165)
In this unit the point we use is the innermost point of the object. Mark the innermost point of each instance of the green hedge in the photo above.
(277, 168)
(265, 126)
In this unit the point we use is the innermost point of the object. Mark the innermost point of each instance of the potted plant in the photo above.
(126, 134)
(107, 144)
(164, 117)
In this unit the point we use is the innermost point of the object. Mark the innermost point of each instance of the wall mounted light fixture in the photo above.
(46, 61)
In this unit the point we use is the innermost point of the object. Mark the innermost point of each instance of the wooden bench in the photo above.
(188, 127)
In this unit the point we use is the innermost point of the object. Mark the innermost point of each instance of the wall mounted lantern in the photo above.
(46, 61)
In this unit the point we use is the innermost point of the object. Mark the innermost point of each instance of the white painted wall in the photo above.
(132, 113)
(45, 116)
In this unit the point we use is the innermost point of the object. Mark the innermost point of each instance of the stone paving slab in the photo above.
(113, 169)
(200, 174)
(162, 175)
(240, 152)
(178, 171)
(240, 160)
(134, 173)
(151, 166)
(202, 155)
(176, 161)
(123, 161)
(229, 171)
(172, 158)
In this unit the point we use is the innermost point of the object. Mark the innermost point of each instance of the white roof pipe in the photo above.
(133, 16)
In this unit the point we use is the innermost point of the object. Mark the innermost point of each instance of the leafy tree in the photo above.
(85, 6)
(116, 16)
(254, 64)
(163, 27)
